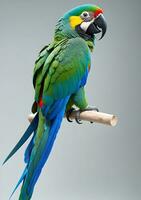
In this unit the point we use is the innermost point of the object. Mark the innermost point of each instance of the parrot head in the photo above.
(84, 21)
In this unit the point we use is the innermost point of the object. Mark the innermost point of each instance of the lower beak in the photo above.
(99, 25)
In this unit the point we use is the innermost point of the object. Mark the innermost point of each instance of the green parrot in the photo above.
(59, 78)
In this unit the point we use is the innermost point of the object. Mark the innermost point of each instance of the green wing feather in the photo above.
(39, 62)
(66, 70)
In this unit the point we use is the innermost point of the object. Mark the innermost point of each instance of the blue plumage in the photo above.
(29, 149)
(31, 128)
(60, 74)
(55, 125)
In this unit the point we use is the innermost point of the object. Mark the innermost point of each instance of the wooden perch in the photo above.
(91, 116)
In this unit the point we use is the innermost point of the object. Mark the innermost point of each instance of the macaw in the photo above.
(59, 77)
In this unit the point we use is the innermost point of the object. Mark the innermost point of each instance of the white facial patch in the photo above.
(85, 25)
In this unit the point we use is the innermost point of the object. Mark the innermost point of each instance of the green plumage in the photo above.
(59, 77)
(64, 70)
(57, 74)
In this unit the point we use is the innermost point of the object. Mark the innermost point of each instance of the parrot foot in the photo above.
(77, 115)
(77, 118)
(68, 113)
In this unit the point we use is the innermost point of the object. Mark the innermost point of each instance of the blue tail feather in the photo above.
(19, 182)
(32, 127)
(51, 138)
(38, 155)
(29, 149)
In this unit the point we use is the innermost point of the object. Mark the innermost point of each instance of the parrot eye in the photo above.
(85, 15)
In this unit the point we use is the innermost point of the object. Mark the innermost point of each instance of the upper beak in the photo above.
(99, 25)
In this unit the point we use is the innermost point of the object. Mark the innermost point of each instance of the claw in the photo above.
(69, 120)
(77, 118)
(68, 114)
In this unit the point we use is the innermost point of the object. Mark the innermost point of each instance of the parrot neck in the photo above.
(63, 32)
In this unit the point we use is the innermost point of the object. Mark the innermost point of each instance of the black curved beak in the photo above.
(99, 25)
